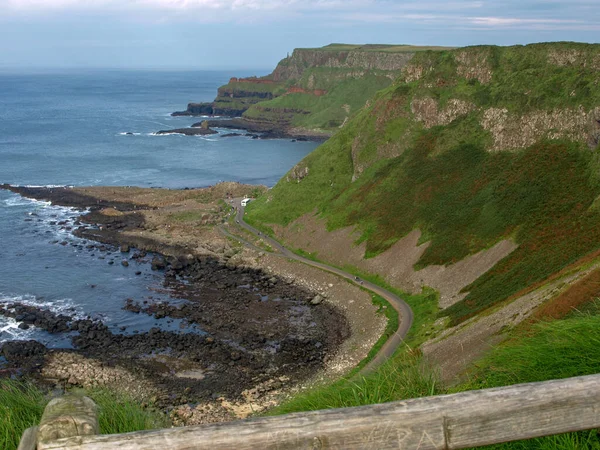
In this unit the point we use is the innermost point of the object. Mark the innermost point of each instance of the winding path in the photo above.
(405, 314)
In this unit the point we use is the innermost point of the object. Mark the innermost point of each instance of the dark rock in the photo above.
(125, 263)
(188, 131)
(196, 109)
(158, 263)
(21, 349)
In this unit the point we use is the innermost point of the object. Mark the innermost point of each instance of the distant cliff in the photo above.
(311, 91)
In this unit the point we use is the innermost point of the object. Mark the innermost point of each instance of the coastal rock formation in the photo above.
(312, 91)
(198, 129)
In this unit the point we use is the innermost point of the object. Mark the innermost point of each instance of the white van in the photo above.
(246, 201)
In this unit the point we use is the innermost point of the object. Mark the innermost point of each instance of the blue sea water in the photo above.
(66, 128)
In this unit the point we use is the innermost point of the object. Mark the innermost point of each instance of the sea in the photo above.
(97, 127)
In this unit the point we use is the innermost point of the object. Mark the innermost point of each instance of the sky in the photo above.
(256, 34)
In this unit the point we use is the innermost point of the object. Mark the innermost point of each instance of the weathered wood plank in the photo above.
(28, 439)
(443, 422)
(67, 416)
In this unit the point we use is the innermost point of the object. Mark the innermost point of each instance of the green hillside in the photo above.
(313, 90)
(471, 146)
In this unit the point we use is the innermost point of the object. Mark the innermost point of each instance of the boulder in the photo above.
(317, 300)
(22, 349)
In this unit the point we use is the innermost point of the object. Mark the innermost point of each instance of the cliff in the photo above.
(476, 172)
(311, 91)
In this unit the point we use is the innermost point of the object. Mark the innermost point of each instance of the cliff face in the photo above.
(293, 67)
(314, 90)
(466, 149)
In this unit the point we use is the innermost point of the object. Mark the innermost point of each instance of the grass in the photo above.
(549, 350)
(346, 94)
(22, 405)
(398, 379)
(187, 216)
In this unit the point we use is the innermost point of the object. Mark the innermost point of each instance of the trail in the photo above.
(405, 314)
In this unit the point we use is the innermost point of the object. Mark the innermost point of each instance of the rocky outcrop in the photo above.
(514, 131)
(196, 109)
(188, 131)
(301, 76)
(198, 129)
(301, 59)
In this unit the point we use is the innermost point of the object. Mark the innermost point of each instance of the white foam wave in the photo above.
(165, 134)
(9, 329)
(58, 306)
(129, 133)
(48, 185)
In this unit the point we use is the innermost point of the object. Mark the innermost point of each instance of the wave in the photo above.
(129, 133)
(58, 306)
(9, 327)
(165, 134)
(17, 200)
(49, 186)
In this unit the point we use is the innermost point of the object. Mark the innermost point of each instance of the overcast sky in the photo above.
(255, 34)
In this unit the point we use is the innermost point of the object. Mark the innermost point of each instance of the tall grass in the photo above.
(122, 414)
(549, 350)
(401, 378)
(22, 405)
(544, 351)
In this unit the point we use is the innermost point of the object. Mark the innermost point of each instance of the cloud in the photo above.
(476, 14)
(231, 5)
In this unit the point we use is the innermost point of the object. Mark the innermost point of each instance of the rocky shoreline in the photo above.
(260, 332)
(256, 130)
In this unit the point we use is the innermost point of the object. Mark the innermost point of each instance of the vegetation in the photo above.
(386, 174)
(445, 182)
(548, 350)
(345, 95)
(22, 405)
(544, 351)
(400, 378)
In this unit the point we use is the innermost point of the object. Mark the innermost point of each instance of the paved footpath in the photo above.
(405, 314)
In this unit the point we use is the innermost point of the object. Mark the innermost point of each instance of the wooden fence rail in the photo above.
(456, 421)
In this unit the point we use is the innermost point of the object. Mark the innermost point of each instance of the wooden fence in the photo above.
(456, 421)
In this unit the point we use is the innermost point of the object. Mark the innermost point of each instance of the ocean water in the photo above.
(66, 128)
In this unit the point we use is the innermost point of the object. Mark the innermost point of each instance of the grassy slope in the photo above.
(462, 197)
(548, 350)
(347, 90)
(324, 112)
